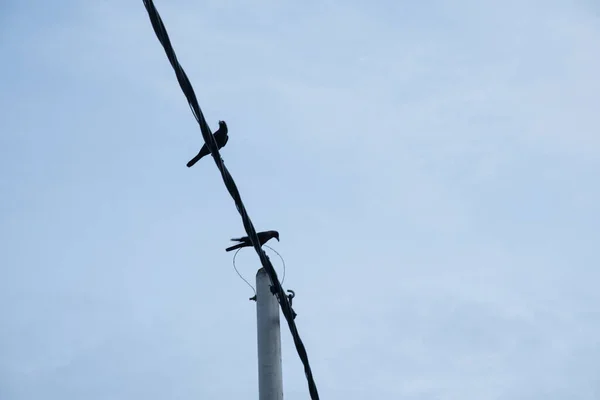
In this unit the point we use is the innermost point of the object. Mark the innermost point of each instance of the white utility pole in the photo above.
(270, 382)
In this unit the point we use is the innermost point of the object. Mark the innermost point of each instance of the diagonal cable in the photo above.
(188, 91)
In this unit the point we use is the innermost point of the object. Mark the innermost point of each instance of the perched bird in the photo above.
(263, 237)
(221, 138)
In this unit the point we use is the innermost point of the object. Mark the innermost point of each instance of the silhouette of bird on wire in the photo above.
(263, 237)
(221, 138)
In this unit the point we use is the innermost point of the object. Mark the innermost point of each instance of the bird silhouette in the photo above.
(221, 138)
(263, 237)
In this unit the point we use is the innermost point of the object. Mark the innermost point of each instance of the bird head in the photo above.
(223, 127)
(275, 235)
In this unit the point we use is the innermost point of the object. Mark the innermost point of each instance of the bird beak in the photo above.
(277, 239)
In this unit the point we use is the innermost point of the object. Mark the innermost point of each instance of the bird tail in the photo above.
(203, 152)
(235, 247)
(193, 161)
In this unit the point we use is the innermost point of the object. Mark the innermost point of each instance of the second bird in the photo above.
(221, 138)
(263, 237)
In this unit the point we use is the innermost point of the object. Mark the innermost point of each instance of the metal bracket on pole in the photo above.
(290, 296)
(270, 381)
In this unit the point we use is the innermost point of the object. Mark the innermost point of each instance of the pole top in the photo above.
(261, 271)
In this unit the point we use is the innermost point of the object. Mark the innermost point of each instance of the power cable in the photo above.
(188, 91)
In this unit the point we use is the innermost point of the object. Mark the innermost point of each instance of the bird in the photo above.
(263, 237)
(221, 138)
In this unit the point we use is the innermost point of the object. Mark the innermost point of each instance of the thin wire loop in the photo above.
(245, 280)
(282, 261)
(238, 272)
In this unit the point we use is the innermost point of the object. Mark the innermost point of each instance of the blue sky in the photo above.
(429, 165)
